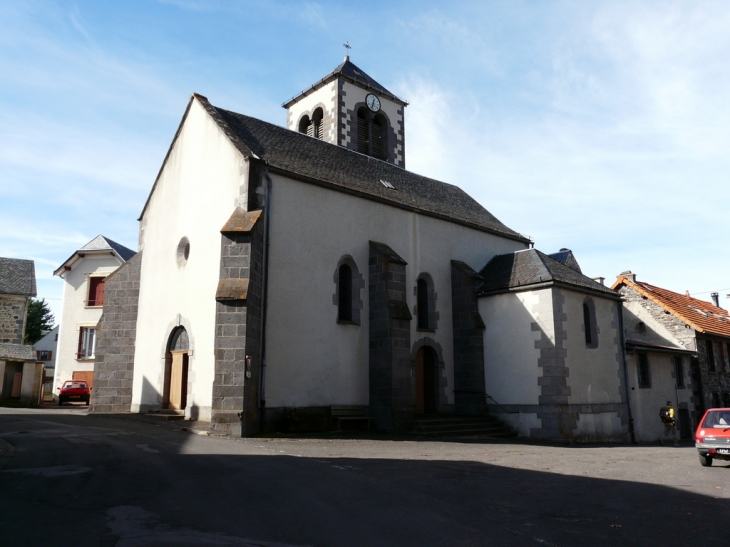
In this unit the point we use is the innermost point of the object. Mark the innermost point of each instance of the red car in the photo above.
(712, 437)
(74, 391)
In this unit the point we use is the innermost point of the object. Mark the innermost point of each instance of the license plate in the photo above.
(74, 396)
(723, 451)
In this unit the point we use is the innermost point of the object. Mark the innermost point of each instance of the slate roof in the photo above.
(99, 243)
(565, 256)
(522, 269)
(102, 243)
(17, 352)
(351, 72)
(17, 277)
(700, 315)
(300, 156)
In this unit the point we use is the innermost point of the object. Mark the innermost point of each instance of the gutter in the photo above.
(622, 341)
(265, 300)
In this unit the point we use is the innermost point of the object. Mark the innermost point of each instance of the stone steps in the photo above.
(461, 426)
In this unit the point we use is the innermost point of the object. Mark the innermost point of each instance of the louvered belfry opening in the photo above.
(316, 125)
(371, 131)
(363, 121)
(376, 130)
(304, 125)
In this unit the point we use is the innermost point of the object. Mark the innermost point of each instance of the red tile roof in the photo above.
(700, 315)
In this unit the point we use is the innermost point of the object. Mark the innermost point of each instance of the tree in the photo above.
(40, 319)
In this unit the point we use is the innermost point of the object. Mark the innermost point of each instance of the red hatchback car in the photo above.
(74, 391)
(712, 437)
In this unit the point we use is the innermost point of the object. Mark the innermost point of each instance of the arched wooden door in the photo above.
(426, 381)
(175, 389)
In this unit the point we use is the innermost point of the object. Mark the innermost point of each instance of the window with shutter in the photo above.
(96, 291)
(87, 343)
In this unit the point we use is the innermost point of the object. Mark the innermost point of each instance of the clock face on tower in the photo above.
(373, 102)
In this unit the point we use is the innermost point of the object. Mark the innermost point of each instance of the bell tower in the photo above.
(350, 109)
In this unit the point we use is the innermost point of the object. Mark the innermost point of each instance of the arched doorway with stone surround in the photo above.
(426, 381)
(175, 388)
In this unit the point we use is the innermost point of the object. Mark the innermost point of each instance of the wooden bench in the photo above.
(349, 413)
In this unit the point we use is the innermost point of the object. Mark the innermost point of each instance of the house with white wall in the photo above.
(84, 274)
(46, 350)
(678, 350)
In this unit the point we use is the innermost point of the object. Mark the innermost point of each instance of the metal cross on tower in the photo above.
(348, 47)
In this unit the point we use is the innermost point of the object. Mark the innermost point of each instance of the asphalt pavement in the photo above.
(68, 478)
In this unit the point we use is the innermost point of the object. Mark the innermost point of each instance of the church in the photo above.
(303, 268)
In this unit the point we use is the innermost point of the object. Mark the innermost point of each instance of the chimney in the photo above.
(686, 293)
(715, 299)
(630, 276)
(599, 280)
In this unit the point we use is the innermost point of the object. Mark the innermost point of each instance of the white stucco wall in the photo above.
(511, 359)
(646, 402)
(196, 193)
(76, 314)
(326, 97)
(510, 356)
(594, 372)
(312, 360)
(595, 375)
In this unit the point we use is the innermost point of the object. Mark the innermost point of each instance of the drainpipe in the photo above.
(622, 337)
(265, 300)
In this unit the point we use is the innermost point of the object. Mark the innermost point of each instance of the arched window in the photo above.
(344, 304)
(371, 133)
(590, 328)
(316, 125)
(425, 303)
(422, 299)
(348, 284)
(304, 124)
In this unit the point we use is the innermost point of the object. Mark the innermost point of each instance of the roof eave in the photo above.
(78, 255)
(333, 76)
(371, 197)
(551, 283)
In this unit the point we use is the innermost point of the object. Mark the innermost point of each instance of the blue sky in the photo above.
(601, 126)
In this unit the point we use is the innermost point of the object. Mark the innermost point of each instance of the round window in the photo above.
(183, 251)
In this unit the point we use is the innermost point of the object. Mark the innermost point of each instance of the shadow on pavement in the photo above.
(145, 488)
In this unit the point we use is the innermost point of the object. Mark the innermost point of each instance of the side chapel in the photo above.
(304, 267)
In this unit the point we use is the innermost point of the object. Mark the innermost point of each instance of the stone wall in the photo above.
(115, 343)
(12, 318)
(236, 403)
(392, 390)
(469, 387)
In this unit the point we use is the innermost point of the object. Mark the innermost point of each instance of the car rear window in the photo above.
(76, 385)
(717, 419)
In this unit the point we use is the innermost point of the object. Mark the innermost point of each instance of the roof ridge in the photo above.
(681, 306)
